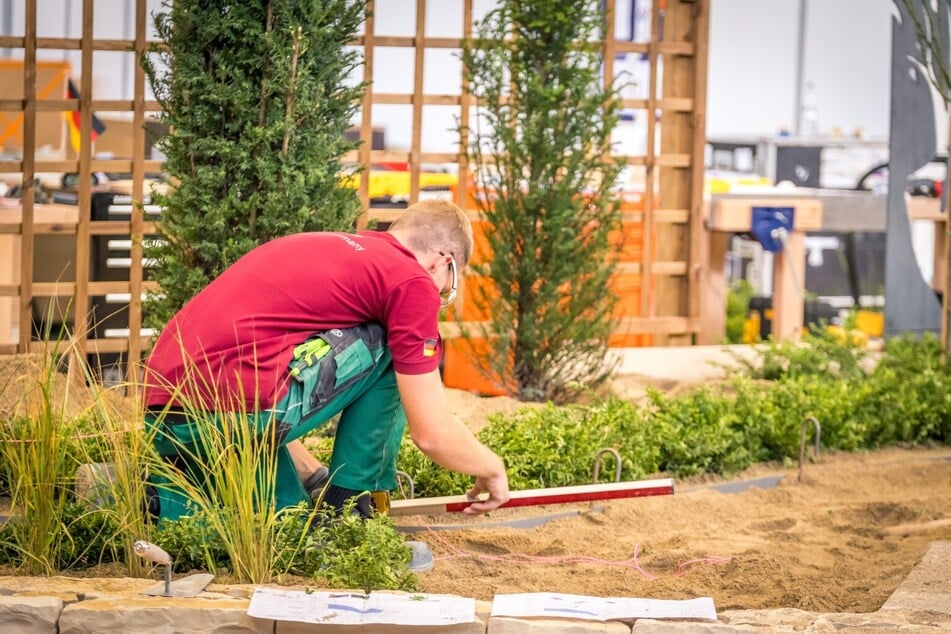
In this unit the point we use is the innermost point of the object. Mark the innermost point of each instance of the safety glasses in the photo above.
(449, 298)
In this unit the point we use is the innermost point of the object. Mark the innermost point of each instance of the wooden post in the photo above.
(789, 269)
(366, 114)
(465, 105)
(650, 171)
(415, 162)
(696, 264)
(675, 178)
(27, 239)
(713, 290)
(138, 196)
(84, 203)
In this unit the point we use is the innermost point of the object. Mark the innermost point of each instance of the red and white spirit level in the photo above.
(536, 497)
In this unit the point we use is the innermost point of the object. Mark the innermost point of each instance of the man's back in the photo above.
(237, 336)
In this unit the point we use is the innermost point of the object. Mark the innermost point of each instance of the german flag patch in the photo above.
(429, 348)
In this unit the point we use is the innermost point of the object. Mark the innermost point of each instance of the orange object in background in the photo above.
(481, 253)
(631, 241)
(460, 372)
(459, 369)
(474, 287)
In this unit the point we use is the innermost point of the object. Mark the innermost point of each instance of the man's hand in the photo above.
(498, 490)
(448, 442)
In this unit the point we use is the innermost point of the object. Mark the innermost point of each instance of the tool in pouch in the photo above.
(324, 366)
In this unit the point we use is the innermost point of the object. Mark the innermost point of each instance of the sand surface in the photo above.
(814, 544)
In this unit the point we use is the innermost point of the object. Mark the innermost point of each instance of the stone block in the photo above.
(29, 614)
(510, 625)
(927, 588)
(137, 613)
(655, 626)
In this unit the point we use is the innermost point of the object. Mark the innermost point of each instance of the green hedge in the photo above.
(903, 397)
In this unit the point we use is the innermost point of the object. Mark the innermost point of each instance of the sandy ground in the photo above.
(815, 544)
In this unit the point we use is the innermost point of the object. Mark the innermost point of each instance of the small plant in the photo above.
(551, 446)
(227, 475)
(737, 306)
(38, 450)
(349, 552)
(819, 352)
(62, 423)
(192, 543)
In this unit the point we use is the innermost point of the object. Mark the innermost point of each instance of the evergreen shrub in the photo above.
(257, 99)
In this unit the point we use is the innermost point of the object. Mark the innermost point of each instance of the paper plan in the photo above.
(357, 609)
(554, 605)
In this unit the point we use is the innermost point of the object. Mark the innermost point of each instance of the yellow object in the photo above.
(870, 322)
(751, 328)
(396, 184)
(723, 185)
(381, 501)
(852, 337)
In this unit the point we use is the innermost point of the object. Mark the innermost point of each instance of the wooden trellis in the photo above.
(670, 216)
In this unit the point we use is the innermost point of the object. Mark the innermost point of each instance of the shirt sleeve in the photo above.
(412, 326)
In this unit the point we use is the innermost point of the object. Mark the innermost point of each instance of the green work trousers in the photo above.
(366, 443)
(369, 432)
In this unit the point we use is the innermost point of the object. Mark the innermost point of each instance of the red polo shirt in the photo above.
(230, 345)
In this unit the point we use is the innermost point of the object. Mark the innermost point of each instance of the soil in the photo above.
(815, 544)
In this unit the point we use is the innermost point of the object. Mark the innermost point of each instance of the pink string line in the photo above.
(631, 562)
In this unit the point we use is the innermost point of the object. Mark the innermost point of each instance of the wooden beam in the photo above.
(80, 307)
(364, 152)
(536, 497)
(736, 213)
(137, 222)
(696, 266)
(25, 313)
(416, 135)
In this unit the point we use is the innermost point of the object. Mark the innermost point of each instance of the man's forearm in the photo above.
(441, 435)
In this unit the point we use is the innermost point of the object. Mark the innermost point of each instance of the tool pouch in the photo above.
(322, 368)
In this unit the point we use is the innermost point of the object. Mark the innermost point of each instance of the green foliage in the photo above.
(257, 100)
(820, 352)
(702, 433)
(349, 552)
(192, 543)
(40, 451)
(551, 447)
(737, 303)
(228, 473)
(39, 455)
(81, 538)
(903, 398)
(338, 551)
(542, 135)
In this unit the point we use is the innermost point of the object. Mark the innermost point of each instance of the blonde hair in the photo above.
(437, 225)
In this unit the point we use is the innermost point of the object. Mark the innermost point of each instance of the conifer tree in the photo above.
(542, 135)
(257, 98)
